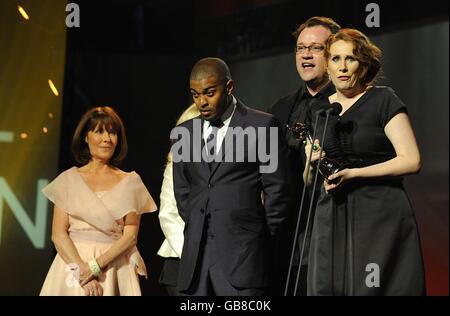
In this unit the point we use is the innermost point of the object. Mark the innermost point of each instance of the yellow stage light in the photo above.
(52, 86)
(23, 135)
(23, 12)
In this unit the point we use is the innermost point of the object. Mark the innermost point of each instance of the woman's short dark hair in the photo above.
(323, 21)
(367, 54)
(105, 118)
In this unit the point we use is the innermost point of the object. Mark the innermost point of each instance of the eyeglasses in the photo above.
(314, 48)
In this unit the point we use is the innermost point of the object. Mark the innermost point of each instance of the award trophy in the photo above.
(327, 165)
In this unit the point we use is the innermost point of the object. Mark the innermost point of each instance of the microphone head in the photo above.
(320, 112)
(335, 108)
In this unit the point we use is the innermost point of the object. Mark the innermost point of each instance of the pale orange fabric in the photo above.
(95, 223)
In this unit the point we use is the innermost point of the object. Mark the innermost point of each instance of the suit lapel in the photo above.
(203, 153)
(284, 111)
(236, 120)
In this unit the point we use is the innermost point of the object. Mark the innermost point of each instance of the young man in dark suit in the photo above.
(232, 196)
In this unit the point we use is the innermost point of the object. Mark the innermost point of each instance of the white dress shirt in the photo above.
(226, 119)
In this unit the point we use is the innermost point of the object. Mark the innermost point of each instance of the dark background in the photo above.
(136, 56)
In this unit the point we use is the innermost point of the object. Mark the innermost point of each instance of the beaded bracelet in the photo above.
(95, 268)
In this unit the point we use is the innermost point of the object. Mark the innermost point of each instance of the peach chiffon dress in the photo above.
(96, 221)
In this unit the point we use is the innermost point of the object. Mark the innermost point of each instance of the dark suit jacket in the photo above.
(282, 110)
(231, 192)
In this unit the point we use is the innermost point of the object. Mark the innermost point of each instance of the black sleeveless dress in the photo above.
(364, 239)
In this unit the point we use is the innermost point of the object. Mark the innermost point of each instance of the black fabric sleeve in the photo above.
(390, 106)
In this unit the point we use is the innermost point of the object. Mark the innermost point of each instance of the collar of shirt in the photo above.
(325, 92)
(226, 119)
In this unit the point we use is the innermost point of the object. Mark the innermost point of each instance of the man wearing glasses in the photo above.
(311, 37)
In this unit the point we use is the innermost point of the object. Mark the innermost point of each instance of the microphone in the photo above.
(334, 109)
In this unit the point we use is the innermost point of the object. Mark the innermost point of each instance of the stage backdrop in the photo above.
(32, 57)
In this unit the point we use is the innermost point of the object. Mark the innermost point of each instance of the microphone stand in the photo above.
(308, 220)
(297, 227)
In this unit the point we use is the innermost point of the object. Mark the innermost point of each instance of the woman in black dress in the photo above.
(364, 239)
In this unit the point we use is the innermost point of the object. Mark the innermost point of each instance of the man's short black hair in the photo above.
(210, 66)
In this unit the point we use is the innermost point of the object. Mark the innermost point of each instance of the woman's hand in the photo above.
(307, 172)
(339, 178)
(93, 288)
(86, 275)
(316, 150)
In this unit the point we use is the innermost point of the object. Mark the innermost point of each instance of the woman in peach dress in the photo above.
(96, 215)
